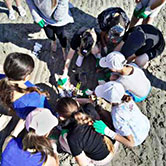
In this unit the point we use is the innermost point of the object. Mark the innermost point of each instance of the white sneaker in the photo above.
(12, 14)
(21, 11)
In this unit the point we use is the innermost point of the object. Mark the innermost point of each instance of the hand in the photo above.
(41, 23)
(102, 128)
(145, 12)
(99, 126)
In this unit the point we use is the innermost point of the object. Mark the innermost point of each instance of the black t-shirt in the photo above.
(139, 40)
(84, 138)
(76, 39)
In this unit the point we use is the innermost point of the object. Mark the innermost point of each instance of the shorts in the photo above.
(136, 98)
(146, 3)
(157, 49)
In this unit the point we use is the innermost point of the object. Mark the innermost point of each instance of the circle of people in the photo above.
(85, 133)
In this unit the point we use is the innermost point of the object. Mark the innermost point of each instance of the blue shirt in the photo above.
(28, 102)
(14, 155)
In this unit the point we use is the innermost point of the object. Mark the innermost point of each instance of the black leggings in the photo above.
(59, 31)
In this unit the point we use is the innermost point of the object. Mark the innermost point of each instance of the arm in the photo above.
(68, 60)
(52, 161)
(119, 46)
(156, 4)
(34, 11)
(102, 128)
(82, 160)
(19, 127)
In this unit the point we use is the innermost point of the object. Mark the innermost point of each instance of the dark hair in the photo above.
(108, 18)
(126, 98)
(86, 43)
(39, 143)
(68, 108)
(16, 67)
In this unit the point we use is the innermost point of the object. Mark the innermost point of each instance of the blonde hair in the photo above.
(68, 107)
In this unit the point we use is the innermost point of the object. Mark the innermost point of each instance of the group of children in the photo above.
(87, 132)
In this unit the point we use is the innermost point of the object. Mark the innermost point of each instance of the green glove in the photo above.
(62, 81)
(143, 13)
(99, 126)
(102, 128)
(41, 23)
(64, 131)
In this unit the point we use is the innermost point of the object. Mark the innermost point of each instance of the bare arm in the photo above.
(82, 160)
(128, 140)
(54, 161)
(119, 46)
(68, 60)
(131, 58)
(157, 3)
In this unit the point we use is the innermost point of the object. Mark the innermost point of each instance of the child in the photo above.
(141, 43)
(33, 148)
(84, 42)
(129, 75)
(87, 146)
(16, 92)
(132, 127)
(21, 10)
(113, 22)
(53, 16)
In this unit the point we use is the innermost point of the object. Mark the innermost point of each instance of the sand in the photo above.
(20, 35)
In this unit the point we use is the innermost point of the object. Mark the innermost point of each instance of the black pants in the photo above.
(59, 31)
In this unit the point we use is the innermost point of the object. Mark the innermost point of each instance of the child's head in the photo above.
(39, 123)
(111, 91)
(18, 66)
(88, 41)
(41, 120)
(115, 61)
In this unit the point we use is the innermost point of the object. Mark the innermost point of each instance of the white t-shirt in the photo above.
(129, 120)
(137, 82)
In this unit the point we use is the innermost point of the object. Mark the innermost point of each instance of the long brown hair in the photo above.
(38, 143)
(16, 67)
(67, 107)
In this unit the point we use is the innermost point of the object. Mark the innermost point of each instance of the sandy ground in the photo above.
(21, 35)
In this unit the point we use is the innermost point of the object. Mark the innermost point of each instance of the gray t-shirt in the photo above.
(137, 82)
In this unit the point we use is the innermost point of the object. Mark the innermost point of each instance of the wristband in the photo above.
(41, 23)
(108, 132)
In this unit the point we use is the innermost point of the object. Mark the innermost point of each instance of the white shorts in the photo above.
(146, 3)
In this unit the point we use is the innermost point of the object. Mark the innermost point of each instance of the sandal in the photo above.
(21, 11)
(12, 14)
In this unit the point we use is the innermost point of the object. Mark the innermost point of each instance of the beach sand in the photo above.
(20, 36)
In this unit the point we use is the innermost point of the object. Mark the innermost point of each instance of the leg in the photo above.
(59, 31)
(49, 30)
(142, 60)
(11, 11)
(20, 8)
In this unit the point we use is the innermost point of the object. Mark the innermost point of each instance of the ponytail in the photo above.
(39, 144)
(82, 118)
(7, 91)
(126, 98)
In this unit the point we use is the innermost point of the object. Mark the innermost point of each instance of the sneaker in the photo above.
(21, 11)
(12, 14)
